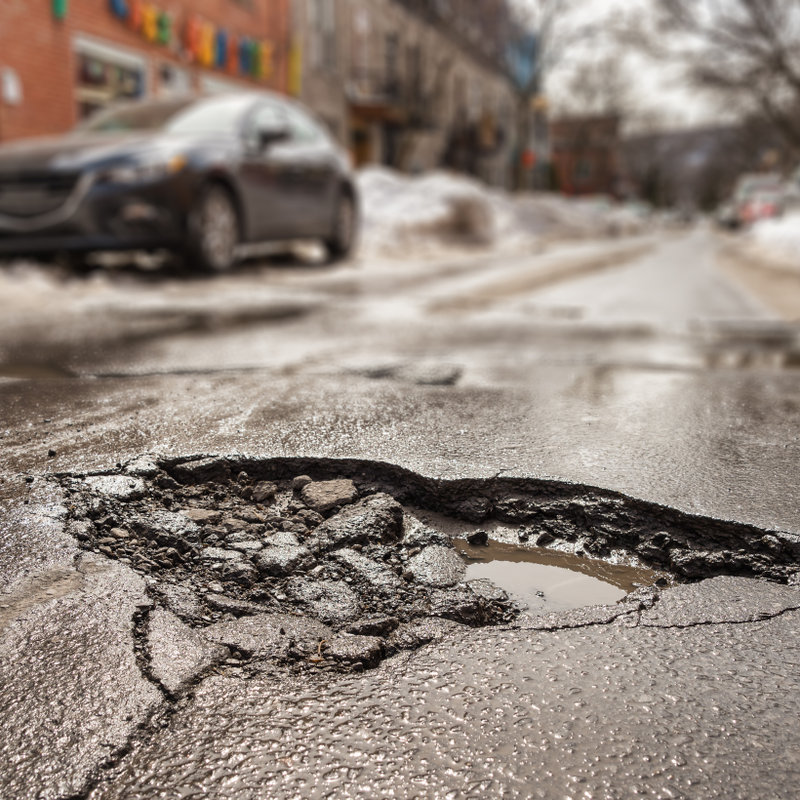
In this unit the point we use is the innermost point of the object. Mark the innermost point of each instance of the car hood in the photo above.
(78, 151)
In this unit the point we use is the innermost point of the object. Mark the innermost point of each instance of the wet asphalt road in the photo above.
(637, 366)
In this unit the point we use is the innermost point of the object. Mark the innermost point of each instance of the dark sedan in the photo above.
(202, 177)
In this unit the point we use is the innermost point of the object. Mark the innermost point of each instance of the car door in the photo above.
(269, 174)
(317, 175)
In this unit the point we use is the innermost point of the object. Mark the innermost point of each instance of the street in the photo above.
(642, 372)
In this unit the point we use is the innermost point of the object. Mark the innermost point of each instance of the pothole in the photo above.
(323, 564)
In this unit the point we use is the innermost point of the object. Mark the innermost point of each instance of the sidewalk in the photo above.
(772, 277)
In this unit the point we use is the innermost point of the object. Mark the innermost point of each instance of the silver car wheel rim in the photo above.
(219, 230)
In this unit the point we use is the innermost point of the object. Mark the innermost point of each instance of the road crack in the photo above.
(767, 617)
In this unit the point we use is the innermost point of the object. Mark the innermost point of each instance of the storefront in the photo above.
(61, 60)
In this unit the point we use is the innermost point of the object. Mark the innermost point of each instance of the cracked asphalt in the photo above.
(660, 378)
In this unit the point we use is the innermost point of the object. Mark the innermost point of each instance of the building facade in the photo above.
(411, 84)
(60, 60)
(320, 60)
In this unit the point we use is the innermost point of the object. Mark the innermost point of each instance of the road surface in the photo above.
(638, 366)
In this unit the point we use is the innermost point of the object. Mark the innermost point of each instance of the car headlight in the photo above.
(143, 171)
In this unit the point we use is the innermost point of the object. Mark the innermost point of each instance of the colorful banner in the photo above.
(204, 43)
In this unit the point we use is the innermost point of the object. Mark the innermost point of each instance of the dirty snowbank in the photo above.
(778, 239)
(407, 215)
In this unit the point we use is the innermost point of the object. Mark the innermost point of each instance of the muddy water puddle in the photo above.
(540, 579)
(547, 580)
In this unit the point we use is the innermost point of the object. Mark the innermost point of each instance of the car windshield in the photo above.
(748, 186)
(219, 115)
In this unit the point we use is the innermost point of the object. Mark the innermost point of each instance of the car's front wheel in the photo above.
(213, 231)
(341, 243)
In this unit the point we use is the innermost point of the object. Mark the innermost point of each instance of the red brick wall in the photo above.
(585, 154)
(39, 48)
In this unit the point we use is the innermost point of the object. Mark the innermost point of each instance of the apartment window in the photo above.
(392, 61)
(322, 33)
(105, 74)
(414, 71)
(362, 33)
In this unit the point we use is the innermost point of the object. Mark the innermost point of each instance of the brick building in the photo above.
(586, 154)
(62, 59)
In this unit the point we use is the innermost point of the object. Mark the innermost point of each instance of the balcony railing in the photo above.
(374, 87)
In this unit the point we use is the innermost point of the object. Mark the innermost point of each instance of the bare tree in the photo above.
(747, 52)
(595, 85)
(579, 62)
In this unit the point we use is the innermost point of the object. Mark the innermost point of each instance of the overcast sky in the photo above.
(653, 88)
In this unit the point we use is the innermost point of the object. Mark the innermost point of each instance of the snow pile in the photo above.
(407, 215)
(779, 238)
(403, 214)
(554, 215)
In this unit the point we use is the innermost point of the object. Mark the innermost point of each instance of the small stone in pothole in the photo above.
(232, 605)
(234, 525)
(282, 539)
(374, 626)
(484, 588)
(377, 519)
(479, 539)
(166, 528)
(281, 560)
(300, 482)
(202, 516)
(241, 572)
(220, 554)
(143, 466)
(326, 496)
(375, 575)
(460, 604)
(351, 649)
(120, 487)
(248, 546)
(437, 566)
(331, 601)
(264, 492)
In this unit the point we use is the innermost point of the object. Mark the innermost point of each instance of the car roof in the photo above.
(190, 98)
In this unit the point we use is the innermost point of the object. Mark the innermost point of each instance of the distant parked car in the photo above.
(200, 176)
(756, 196)
(761, 205)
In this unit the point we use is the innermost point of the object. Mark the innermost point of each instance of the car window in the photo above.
(303, 128)
(210, 116)
(266, 116)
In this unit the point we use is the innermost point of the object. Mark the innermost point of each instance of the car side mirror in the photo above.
(267, 135)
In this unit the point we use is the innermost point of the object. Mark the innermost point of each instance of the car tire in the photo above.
(213, 231)
(341, 243)
(79, 264)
